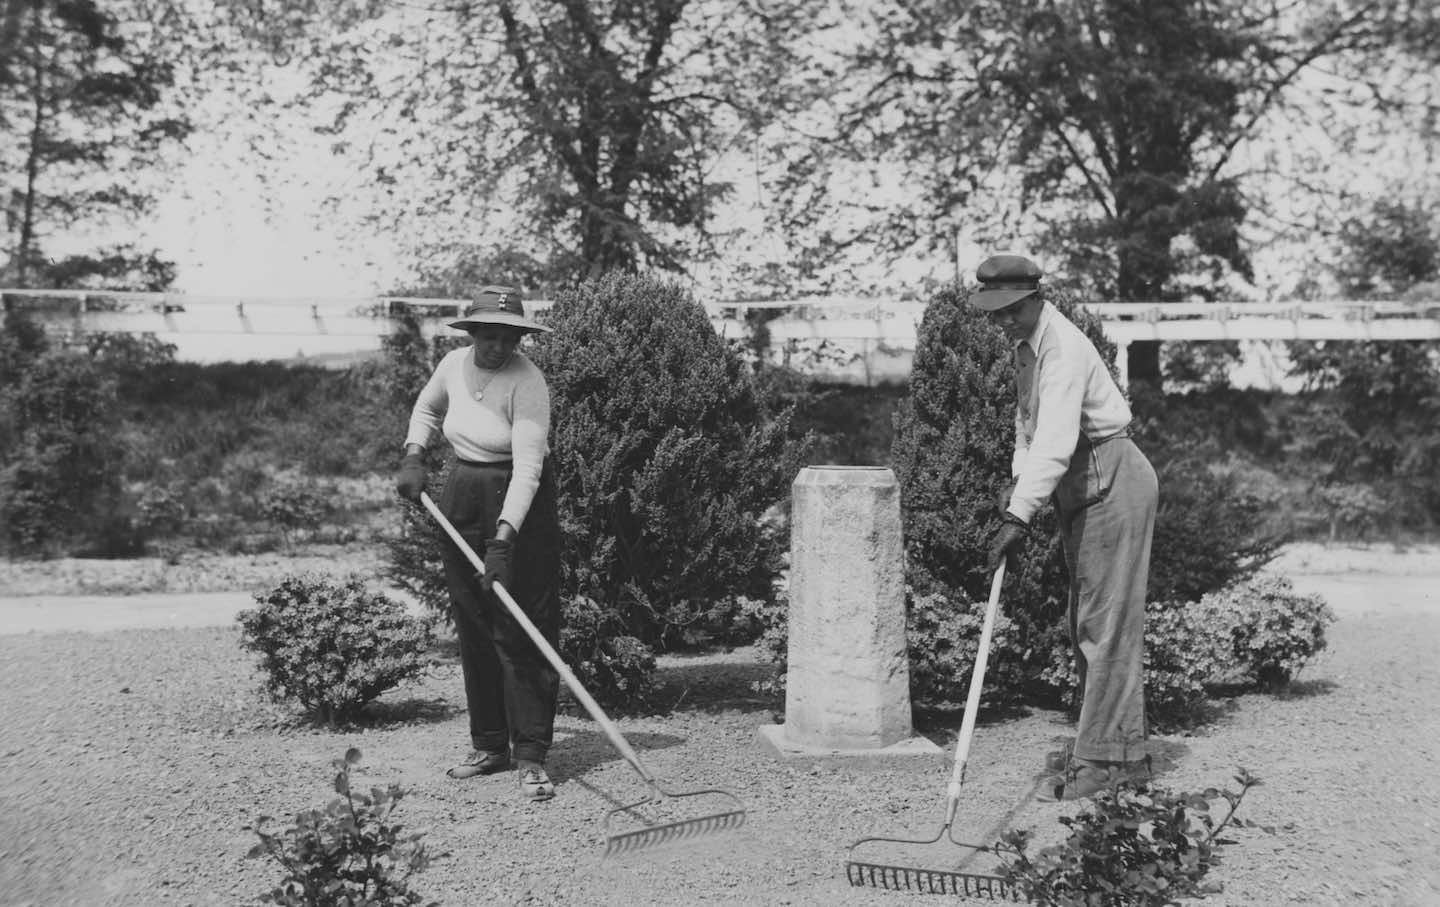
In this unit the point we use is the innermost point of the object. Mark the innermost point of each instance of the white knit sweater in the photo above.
(489, 416)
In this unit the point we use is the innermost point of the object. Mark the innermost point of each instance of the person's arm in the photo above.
(529, 443)
(429, 411)
(1061, 395)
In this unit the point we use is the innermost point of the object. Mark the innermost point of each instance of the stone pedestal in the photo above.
(847, 688)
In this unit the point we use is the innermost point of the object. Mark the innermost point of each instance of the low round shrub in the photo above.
(1274, 630)
(331, 646)
(1187, 649)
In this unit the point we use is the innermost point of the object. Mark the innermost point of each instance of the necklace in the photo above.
(479, 393)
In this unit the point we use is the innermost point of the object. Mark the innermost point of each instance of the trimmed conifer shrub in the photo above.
(667, 455)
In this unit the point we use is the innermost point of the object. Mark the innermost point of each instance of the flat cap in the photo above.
(1004, 279)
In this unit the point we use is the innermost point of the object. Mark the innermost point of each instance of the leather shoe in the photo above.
(480, 762)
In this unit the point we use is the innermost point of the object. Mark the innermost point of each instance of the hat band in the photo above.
(1011, 285)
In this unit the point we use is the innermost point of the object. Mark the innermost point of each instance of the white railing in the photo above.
(841, 338)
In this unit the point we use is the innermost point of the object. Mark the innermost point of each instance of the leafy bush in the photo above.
(1273, 630)
(1187, 649)
(1254, 634)
(60, 476)
(1135, 845)
(349, 853)
(943, 639)
(1209, 532)
(668, 456)
(333, 646)
(1372, 416)
(293, 503)
(602, 656)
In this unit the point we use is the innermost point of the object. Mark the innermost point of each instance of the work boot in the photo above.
(480, 762)
(534, 782)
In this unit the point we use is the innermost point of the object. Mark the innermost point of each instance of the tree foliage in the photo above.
(1126, 138)
(566, 140)
(83, 122)
(1374, 406)
(667, 457)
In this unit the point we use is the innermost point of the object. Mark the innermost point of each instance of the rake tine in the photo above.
(929, 881)
(668, 832)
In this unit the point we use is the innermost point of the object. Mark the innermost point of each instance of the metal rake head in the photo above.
(656, 834)
(930, 881)
(907, 872)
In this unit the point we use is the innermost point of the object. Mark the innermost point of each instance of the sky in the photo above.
(227, 240)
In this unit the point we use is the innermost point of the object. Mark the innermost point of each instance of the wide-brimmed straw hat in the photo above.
(498, 305)
(1004, 280)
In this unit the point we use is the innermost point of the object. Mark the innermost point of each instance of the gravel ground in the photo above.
(133, 763)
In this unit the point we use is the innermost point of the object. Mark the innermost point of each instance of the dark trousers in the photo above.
(1106, 503)
(510, 688)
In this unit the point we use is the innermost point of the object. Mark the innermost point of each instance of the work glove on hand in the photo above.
(410, 478)
(497, 563)
(1008, 543)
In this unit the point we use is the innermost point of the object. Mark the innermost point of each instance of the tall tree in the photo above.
(564, 138)
(1122, 132)
(83, 120)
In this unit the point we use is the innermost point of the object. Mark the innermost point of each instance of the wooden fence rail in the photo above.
(858, 340)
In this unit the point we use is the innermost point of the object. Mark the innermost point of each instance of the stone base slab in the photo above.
(772, 739)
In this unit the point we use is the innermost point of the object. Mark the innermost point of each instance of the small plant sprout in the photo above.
(351, 852)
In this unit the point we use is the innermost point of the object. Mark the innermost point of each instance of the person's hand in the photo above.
(410, 478)
(497, 563)
(1009, 541)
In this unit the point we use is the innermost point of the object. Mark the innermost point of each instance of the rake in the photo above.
(907, 874)
(730, 813)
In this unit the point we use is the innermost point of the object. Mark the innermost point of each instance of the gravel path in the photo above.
(132, 763)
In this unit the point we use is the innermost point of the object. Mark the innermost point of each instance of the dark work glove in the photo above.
(1008, 543)
(410, 478)
(497, 563)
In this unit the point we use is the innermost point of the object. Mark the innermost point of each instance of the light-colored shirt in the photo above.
(489, 416)
(1071, 392)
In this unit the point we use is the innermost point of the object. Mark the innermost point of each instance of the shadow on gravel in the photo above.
(580, 751)
(380, 715)
(1306, 689)
(388, 713)
(713, 687)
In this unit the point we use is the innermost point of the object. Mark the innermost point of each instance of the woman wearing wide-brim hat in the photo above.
(493, 407)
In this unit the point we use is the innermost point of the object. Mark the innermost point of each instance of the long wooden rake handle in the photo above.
(972, 701)
(541, 643)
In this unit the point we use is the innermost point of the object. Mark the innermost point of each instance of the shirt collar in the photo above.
(1047, 311)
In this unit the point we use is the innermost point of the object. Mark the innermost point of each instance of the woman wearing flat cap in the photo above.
(1073, 447)
(493, 406)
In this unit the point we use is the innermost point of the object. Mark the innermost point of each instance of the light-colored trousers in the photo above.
(1106, 504)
